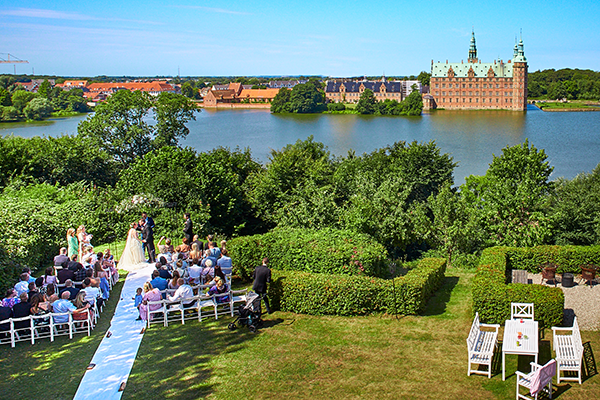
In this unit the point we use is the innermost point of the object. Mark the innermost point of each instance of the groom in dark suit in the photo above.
(148, 240)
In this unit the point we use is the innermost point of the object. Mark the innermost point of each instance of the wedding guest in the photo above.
(138, 300)
(208, 256)
(209, 238)
(198, 242)
(158, 282)
(82, 304)
(39, 304)
(84, 240)
(65, 274)
(92, 294)
(184, 247)
(51, 293)
(72, 242)
(195, 251)
(225, 262)
(220, 288)
(218, 274)
(208, 272)
(33, 290)
(188, 229)
(80, 273)
(23, 285)
(223, 245)
(184, 291)
(100, 273)
(195, 272)
(150, 294)
(214, 251)
(61, 259)
(11, 298)
(163, 272)
(173, 282)
(49, 279)
(63, 305)
(73, 292)
(20, 310)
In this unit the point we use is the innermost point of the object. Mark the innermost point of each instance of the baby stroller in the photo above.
(249, 313)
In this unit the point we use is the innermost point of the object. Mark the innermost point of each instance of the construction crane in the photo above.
(14, 60)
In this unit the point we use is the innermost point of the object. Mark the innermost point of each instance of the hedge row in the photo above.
(492, 295)
(567, 258)
(326, 294)
(328, 251)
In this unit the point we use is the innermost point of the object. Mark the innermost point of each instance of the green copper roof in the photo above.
(461, 70)
(472, 48)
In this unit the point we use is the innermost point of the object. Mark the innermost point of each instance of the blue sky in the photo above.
(331, 38)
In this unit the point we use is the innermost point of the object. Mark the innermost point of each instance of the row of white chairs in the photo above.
(50, 325)
(194, 307)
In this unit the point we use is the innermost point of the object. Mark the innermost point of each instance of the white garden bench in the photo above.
(480, 345)
(569, 351)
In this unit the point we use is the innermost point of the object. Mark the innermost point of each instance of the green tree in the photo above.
(120, 126)
(38, 109)
(281, 101)
(45, 89)
(366, 103)
(20, 98)
(413, 104)
(10, 114)
(5, 97)
(172, 111)
(307, 98)
(447, 223)
(424, 78)
(189, 91)
(512, 198)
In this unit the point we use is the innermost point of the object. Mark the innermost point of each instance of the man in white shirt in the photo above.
(91, 293)
(194, 272)
(184, 291)
(23, 285)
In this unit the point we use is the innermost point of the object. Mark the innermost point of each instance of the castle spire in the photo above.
(520, 51)
(472, 49)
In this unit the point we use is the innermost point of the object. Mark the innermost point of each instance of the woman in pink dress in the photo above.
(150, 294)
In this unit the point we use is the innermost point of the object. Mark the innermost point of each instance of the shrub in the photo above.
(328, 250)
(336, 107)
(326, 294)
(492, 295)
(567, 258)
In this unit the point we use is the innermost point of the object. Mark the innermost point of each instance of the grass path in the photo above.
(299, 356)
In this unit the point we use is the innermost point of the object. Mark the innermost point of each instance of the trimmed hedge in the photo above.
(492, 294)
(325, 294)
(567, 258)
(330, 251)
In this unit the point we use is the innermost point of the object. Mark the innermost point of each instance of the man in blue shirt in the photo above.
(158, 282)
(63, 305)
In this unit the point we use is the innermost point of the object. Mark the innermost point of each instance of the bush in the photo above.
(325, 294)
(329, 251)
(492, 295)
(336, 107)
(567, 258)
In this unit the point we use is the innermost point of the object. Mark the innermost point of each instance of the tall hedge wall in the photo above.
(567, 258)
(492, 294)
(326, 294)
(328, 251)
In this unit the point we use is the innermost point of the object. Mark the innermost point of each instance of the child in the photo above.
(138, 301)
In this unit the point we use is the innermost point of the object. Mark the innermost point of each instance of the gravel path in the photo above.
(580, 300)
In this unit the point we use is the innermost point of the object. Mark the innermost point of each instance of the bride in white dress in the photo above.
(133, 255)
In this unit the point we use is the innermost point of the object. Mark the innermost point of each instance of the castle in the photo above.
(477, 85)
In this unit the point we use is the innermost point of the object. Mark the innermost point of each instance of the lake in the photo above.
(570, 139)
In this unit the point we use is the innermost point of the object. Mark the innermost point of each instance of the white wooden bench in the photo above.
(480, 345)
(569, 351)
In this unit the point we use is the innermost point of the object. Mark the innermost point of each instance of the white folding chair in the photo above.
(544, 378)
(205, 301)
(521, 311)
(222, 307)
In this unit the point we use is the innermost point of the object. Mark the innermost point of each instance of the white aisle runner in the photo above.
(115, 356)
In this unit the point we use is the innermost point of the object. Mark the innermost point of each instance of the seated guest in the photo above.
(198, 242)
(5, 313)
(150, 294)
(208, 272)
(69, 288)
(23, 285)
(39, 305)
(51, 293)
(195, 252)
(183, 272)
(80, 273)
(163, 272)
(62, 305)
(102, 275)
(184, 291)
(225, 262)
(82, 305)
(64, 274)
(166, 249)
(209, 239)
(49, 279)
(218, 274)
(181, 257)
(27, 270)
(73, 264)
(92, 294)
(88, 258)
(208, 256)
(220, 288)
(11, 298)
(173, 282)
(61, 258)
(108, 263)
(223, 245)
(195, 272)
(158, 282)
(214, 251)
(32, 291)
(184, 247)
(22, 309)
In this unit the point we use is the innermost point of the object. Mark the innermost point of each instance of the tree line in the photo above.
(567, 83)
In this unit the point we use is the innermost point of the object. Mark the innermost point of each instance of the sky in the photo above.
(279, 38)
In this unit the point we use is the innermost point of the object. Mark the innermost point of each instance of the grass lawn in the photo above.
(573, 104)
(52, 370)
(299, 356)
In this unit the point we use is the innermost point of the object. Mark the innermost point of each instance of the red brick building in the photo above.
(477, 85)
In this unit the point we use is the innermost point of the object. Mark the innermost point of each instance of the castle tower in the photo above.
(472, 49)
(519, 78)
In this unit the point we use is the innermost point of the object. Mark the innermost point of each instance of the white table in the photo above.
(528, 347)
